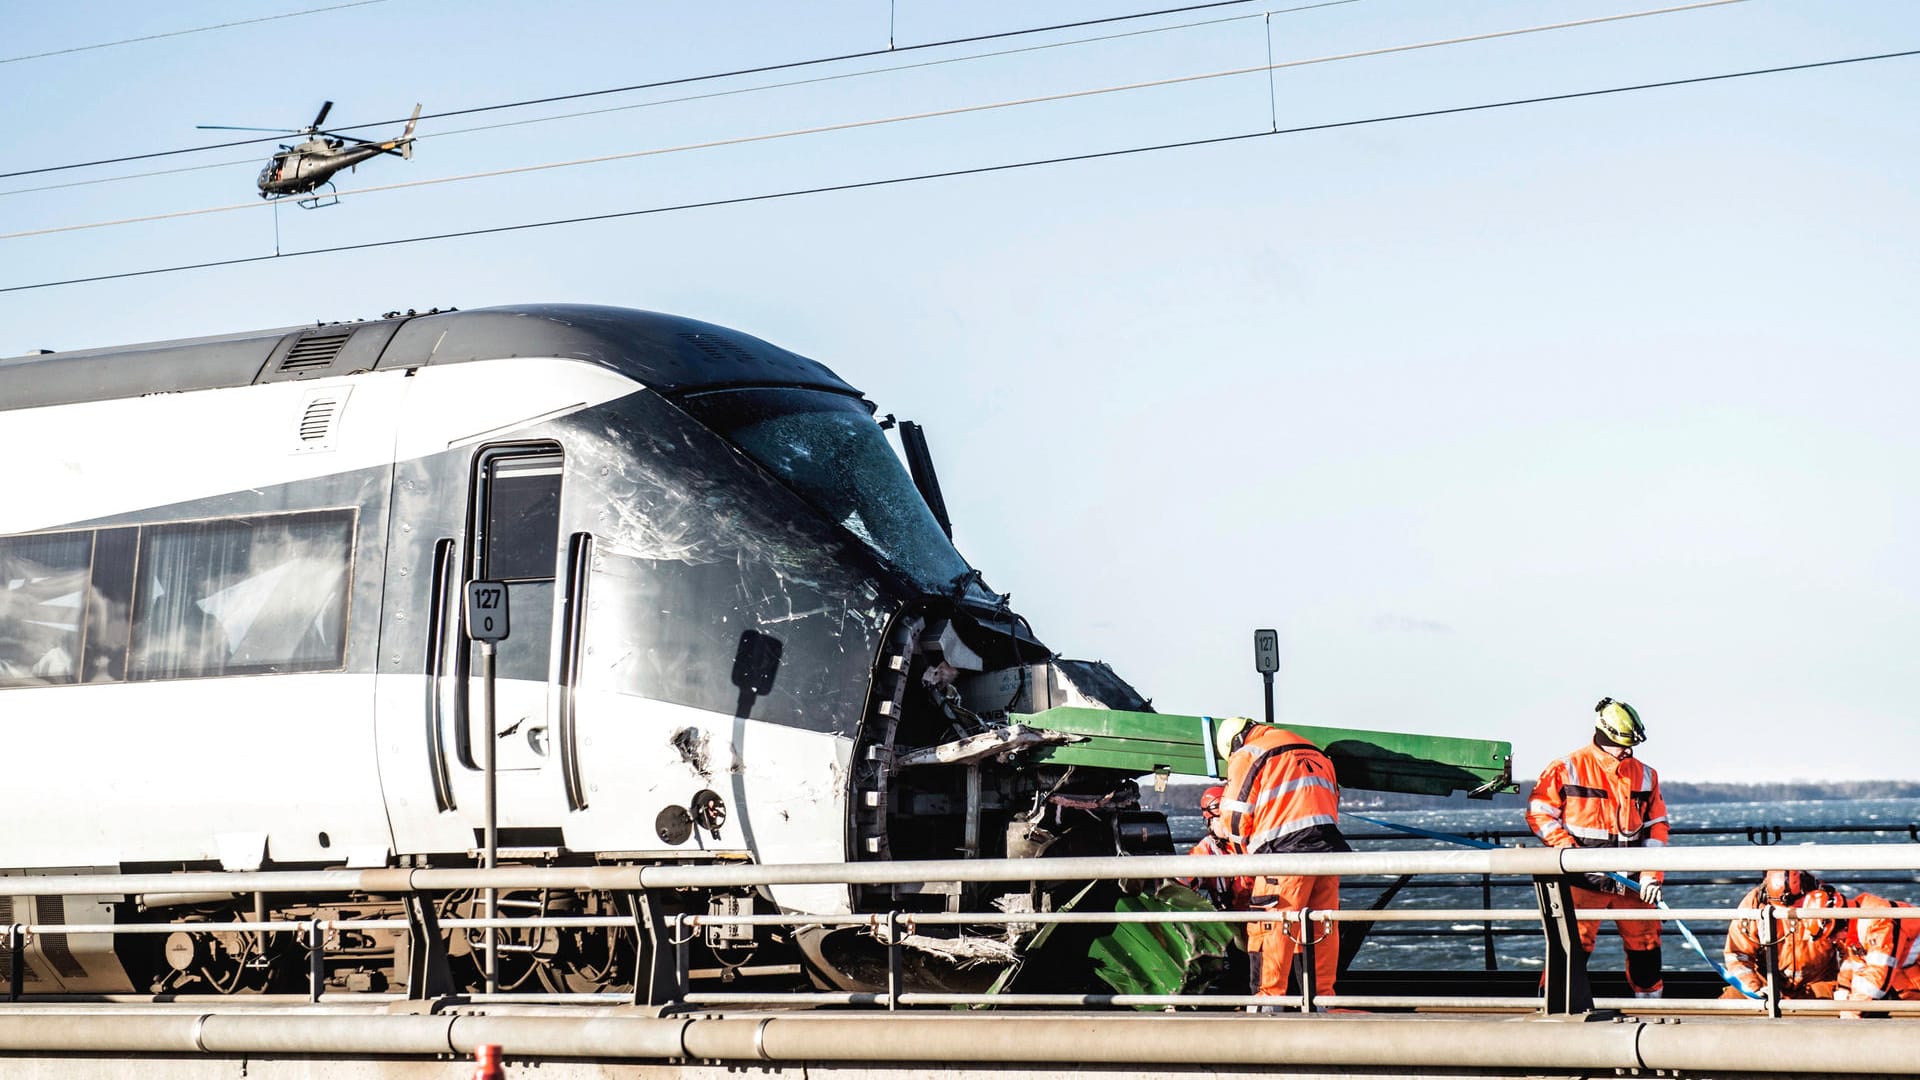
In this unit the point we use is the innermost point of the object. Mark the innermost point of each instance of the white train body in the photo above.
(230, 629)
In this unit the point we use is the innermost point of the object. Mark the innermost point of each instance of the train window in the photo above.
(43, 600)
(714, 585)
(523, 518)
(242, 596)
(519, 544)
(829, 450)
(110, 605)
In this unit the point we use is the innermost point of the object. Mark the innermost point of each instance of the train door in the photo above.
(493, 513)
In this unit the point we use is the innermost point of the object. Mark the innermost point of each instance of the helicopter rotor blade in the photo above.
(321, 117)
(230, 127)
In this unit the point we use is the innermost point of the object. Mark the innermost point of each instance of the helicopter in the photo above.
(304, 168)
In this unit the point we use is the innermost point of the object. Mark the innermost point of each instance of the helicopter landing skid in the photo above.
(318, 199)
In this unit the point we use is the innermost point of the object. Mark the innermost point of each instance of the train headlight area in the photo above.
(740, 634)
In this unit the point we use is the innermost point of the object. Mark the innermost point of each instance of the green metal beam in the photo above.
(1142, 743)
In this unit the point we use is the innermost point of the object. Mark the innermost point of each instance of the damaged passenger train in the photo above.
(231, 637)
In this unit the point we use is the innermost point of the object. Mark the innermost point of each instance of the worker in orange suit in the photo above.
(1601, 795)
(1805, 953)
(1882, 956)
(1282, 797)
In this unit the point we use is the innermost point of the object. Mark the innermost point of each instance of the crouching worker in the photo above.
(1282, 797)
(1882, 956)
(1805, 953)
(1225, 893)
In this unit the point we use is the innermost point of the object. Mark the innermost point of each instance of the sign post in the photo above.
(1266, 661)
(486, 617)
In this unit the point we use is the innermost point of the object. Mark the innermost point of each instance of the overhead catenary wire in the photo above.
(685, 80)
(184, 33)
(716, 94)
(952, 173)
(852, 125)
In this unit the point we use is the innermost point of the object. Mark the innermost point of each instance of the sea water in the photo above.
(1520, 946)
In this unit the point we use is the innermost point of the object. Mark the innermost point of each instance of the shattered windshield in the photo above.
(829, 450)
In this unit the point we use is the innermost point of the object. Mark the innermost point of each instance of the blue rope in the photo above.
(1466, 841)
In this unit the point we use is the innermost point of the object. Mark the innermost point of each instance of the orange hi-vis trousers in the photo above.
(1271, 945)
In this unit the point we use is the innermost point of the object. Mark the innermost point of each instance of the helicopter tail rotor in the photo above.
(406, 137)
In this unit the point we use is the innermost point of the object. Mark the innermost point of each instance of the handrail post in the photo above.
(651, 973)
(1486, 925)
(1304, 966)
(1769, 949)
(1564, 977)
(682, 956)
(428, 973)
(316, 960)
(895, 961)
(16, 961)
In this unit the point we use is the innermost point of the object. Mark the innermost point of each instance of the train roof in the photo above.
(667, 353)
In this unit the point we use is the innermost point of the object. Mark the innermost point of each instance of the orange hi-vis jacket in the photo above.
(1808, 950)
(1591, 799)
(1883, 955)
(1227, 893)
(1282, 795)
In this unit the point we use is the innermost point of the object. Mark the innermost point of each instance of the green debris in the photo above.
(1162, 958)
(1142, 743)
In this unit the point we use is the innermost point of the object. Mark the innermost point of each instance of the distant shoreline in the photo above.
(1181, 794)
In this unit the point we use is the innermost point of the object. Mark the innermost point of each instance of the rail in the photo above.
(1544, 866)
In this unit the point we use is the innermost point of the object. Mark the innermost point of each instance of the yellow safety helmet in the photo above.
(1230, 729)
(1618, 723)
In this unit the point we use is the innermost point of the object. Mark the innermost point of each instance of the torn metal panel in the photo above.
(987, 744)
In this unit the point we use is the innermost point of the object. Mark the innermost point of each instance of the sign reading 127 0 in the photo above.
(486, 610)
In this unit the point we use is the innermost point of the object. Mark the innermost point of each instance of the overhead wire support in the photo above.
(685, 80)
(852, 125)
(973, 171)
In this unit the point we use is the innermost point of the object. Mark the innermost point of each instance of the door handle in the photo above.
(437, 618)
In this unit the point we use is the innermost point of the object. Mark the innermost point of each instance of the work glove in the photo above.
(1650, 889)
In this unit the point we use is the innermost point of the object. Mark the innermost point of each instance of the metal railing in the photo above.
(1545, 866)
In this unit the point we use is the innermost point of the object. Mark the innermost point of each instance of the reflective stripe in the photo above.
(1544, 809)
(1587, 834)
(1879, 959)
(1652, 821)
(1651, 842)
(1864, 987)
(1261, 839)
(1292, 786)
(1913, 954)
(1233, 806)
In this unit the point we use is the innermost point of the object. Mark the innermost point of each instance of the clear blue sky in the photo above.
(1489, 414)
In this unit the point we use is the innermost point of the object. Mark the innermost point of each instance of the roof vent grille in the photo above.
(314, 351)
(718, 348)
